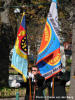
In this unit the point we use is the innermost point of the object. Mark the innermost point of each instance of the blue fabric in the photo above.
(19, 63)
(54, 0)
(23, 23)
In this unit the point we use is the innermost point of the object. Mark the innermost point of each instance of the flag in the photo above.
(19, 57)
(49, 58)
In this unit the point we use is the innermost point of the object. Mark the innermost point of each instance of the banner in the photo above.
(20, 51)
(49, 58)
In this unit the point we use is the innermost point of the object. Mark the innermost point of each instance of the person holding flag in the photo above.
(20, 51)
(37, 82)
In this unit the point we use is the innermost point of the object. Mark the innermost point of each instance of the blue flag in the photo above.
(20, 50)
(49, 58)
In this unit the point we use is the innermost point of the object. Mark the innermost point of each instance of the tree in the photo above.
(4, 45)
(72, 77)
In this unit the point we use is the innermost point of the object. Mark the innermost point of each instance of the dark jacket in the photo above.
(38, 88)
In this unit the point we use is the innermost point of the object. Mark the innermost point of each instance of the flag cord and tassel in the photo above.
(52, 86)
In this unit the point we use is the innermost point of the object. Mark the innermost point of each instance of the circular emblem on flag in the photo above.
(55, 60)
(46, 37)
(22, 33)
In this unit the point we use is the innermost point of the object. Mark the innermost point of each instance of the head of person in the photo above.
(35, 70)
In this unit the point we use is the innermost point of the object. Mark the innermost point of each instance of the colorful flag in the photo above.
(20, 51)
(49, 58)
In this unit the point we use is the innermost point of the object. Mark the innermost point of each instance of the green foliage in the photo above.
(69, 61)
(68, 64)
(11, 92)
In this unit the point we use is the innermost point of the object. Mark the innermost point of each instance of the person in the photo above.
(60, 80)
(36, 85)
(59, 87)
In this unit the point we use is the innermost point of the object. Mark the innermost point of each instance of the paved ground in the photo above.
(20, 98)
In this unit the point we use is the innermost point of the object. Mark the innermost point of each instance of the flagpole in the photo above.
(52, 86)
(34, 93)
(30, 96)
